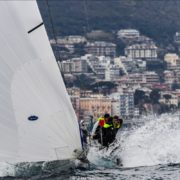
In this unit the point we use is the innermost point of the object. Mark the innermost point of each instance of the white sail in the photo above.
(31, 86)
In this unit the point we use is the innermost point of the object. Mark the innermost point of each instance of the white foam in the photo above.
(155, 142)
(100, 158)
(6, 169)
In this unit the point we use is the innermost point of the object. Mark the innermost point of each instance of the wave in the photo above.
(155, 141)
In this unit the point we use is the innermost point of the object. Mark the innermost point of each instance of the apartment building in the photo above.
(173, 61)
(128, 33)
(95, 105)
(75, 65)
(123, 104)
(101, 48)
(141, 51)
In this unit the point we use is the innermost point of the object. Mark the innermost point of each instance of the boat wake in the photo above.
(155, 142)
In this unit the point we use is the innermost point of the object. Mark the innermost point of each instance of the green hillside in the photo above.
(158, 19)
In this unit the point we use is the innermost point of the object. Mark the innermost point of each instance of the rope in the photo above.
(87, 16)
(51, 22)
(55, 38)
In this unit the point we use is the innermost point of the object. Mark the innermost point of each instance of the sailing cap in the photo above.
(116, 117)
(106, 116)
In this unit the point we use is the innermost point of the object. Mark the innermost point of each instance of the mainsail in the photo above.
(37, 121)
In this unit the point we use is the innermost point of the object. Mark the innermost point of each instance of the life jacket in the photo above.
(101, 121)
(117, 126)
(107, 125)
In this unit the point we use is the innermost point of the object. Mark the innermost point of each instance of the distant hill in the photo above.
(158, 19)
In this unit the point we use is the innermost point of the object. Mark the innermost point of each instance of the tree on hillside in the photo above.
(120, 47)
(155, 96)
(167, 96)
(100, 35)
(139, 96)
(175, 86)
(79, 49)
(103, 87)
(83, 81)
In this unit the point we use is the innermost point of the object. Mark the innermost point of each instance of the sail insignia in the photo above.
(33, 118)
(36, 27)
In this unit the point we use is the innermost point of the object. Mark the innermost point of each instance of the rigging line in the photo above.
(87, 16)
(51, 23)
(55, 38)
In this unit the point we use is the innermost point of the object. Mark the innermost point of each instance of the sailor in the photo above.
(112, 130)
(84, 132)
(103, 120)
(117, 122)
(106, 134)
(103, 131)
(108, 131)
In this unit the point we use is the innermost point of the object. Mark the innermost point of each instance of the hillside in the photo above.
(158, 19)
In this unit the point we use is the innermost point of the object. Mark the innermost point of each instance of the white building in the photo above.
(101, 48)
(115, 108)
(173, 61)
(70, 39)
(68, 42)
(123, 104)
(98, 64)
(148, 77)
(141, 51)
(137, 78)
(118, 60)
(136, 112)
(151, 77)
(169, 77)
(80, 65)
(75, 39)
(172, 101)
(127, 105)
(66, 66)
(75, 65)
(129, 65)
(112, 72)
(128, 33)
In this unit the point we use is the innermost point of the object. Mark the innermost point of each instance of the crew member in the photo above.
(84, 132)
(106, 134)
(103, 131)
(103, 120)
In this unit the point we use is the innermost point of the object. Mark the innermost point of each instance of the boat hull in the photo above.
(27, 169)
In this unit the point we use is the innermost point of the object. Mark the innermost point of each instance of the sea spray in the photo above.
(6, 169)
(156, 142)
(153, 141)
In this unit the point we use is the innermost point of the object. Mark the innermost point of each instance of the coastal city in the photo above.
(139, 82)
(123, 73)
(89, 90)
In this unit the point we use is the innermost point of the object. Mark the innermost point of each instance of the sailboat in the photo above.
(37, 120)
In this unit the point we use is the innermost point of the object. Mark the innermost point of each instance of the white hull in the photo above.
(28, 169)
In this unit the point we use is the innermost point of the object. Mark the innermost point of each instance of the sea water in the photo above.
(147, 150)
